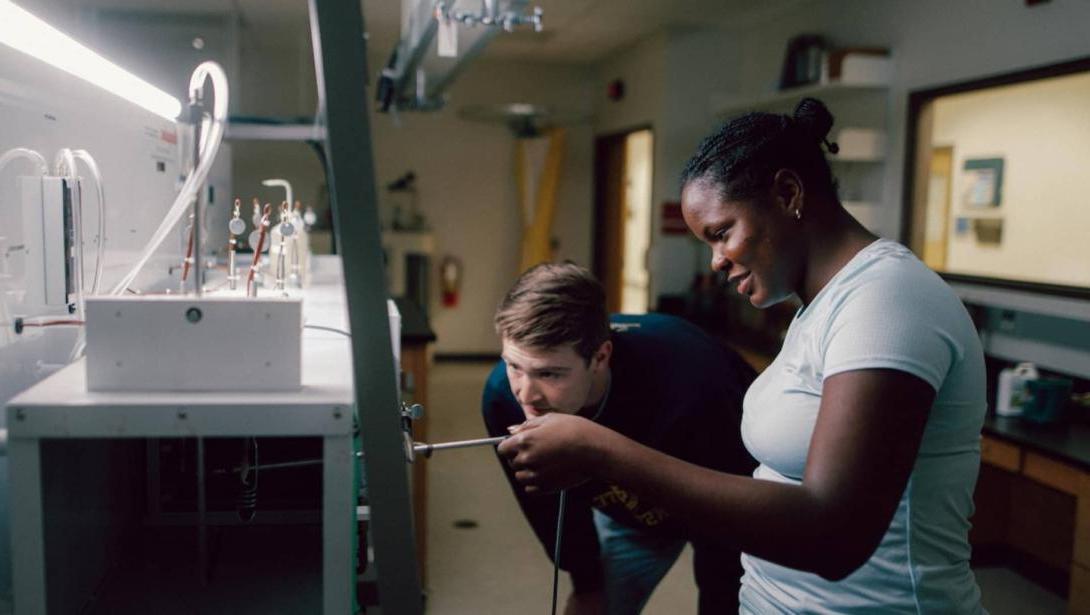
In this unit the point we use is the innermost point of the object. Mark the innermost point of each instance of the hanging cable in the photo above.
(330, 329)
(564, 497)
(556, 549)
(246, 502)
(21, 323)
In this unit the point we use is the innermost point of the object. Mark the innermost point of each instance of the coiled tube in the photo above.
(246, 502)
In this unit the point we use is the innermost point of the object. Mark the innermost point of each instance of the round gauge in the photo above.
(254, 237)
(237, 226)
(287, 229)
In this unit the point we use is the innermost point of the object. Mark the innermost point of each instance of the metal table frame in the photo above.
(340, 65)
(41, 414)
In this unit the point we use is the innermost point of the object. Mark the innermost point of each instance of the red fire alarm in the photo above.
(615, 90)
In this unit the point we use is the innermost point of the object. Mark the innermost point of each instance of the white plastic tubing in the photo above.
(65, 166)
(29, 154)
(86, 158)
(210, 143)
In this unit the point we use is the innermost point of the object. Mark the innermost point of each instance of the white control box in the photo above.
(180, 343)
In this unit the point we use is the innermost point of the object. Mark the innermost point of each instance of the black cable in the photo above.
(556, 550)
(330, 329)
(563, 498)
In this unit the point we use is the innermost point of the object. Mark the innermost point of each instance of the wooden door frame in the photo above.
(608, 232)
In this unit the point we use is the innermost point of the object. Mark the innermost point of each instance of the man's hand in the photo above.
(586, 603)
(554, 452)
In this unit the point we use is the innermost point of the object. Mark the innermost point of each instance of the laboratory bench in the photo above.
(90, 532)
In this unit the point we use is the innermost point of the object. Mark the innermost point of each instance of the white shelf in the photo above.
(1023, 301)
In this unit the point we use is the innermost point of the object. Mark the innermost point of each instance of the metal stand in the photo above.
(341, 69)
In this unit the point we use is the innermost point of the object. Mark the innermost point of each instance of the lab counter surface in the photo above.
(60, 407)
(1068, 441)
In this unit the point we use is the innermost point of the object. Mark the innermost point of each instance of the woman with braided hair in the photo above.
(867, 423)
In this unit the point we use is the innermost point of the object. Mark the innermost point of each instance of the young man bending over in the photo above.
(655, 379)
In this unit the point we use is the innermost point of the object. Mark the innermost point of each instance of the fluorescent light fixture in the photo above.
(30, 35)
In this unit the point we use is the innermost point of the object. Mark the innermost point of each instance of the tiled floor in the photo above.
(499, 567)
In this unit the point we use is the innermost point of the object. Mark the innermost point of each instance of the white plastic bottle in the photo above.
(1011, 394)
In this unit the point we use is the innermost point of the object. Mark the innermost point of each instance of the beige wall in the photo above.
(1042, 132)
(466, 186)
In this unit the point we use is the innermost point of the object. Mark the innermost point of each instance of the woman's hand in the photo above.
(554, 452)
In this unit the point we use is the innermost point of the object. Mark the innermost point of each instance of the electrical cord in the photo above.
(21, 323)
(556, 549)
(564, 497)
(330, 329)
(246, 502)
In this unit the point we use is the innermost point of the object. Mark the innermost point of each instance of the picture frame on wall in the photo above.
(983, 182)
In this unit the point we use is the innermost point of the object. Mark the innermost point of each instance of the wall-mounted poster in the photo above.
(983, 182)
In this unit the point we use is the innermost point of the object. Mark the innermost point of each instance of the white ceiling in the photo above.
(576, 31)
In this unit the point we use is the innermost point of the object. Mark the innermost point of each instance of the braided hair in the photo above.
(742, 157)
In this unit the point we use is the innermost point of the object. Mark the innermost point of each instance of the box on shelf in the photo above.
(861, 143)
(857, 65)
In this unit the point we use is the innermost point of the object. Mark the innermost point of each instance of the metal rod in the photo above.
(418, 447)
(196, 117)
(427, 449)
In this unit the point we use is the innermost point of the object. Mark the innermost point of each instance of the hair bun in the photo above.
(813, 118)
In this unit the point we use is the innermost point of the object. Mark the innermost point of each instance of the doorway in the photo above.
(624, 168)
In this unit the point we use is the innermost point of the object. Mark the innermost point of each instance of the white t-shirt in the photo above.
(884, 309)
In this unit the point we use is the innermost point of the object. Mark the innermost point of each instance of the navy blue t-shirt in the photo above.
(673, 389)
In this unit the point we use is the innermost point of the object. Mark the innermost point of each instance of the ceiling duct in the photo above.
(438, 40)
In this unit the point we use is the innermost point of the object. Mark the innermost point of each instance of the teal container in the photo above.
(1046, 399)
